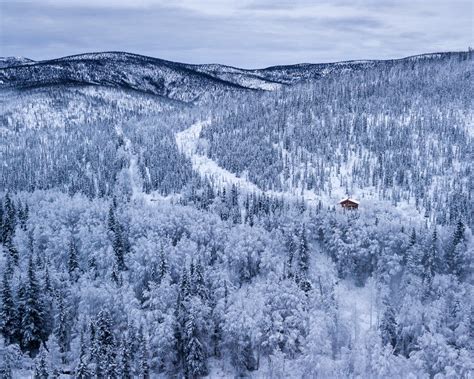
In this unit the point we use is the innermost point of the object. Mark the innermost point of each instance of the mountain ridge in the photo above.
(174, 80)
(118, 52)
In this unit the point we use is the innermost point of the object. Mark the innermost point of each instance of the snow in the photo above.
(187, 141)
(349, 199)
(136, 182)
(357, 306)
(135, 179)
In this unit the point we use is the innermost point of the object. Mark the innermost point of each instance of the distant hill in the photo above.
(14, 61)
(172, 80)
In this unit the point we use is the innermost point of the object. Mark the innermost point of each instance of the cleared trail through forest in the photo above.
(188, 142)
(136, 182)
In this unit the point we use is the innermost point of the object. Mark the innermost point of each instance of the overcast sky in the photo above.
(245, 33)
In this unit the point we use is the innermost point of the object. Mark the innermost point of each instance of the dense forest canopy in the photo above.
(141, 236)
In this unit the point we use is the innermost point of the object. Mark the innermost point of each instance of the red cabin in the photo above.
(348, 203)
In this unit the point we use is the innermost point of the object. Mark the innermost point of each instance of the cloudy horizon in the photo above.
(250, 34)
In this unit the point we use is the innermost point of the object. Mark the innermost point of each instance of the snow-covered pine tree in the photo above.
(198, 282)
(63, 325)
(428, 263)
(388, 325)
(302, 255)
(72, 261)
(163, 264)
(118, 248)
(82, 370)
(9, 220)
(105, 345)
(9, 325)
(32, 323)
(413, 255)
(6, 371)
(454, 258)
(195, 364)
(125, 364)
(143, 358)
(41, 365)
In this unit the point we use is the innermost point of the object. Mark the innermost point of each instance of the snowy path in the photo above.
(136, 182)
(187, 142)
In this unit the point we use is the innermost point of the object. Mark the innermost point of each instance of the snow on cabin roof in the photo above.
(349, 199)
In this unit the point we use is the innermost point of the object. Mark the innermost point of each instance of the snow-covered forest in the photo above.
(170, 220)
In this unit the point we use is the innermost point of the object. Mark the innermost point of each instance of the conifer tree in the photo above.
(388, 326)
(32, 316)
(82, 369)
(111, 220)
(47, 303)
(454, 259)
(105, 345)
(184, 294)
(118, 247)
(72, 262)
(5, 366)
(198, 283)
(162, 265)
(25, 216)
(125, 360)
(195, 355)
(143, 364)
(291, 248)
(63, 327)
(41, 365)
(413, 257)
(303, 252)
(8, 317)
(428, 261)
(9, 221)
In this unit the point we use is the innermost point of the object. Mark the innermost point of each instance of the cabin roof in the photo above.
(349, 199)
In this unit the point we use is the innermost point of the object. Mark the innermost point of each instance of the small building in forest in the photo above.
(349, 203)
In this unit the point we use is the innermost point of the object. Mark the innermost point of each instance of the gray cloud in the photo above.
(248, 33)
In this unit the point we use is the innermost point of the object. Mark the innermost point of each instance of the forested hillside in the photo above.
(144, 235)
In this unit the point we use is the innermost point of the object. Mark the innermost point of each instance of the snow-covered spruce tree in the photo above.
(163, 265)
(454, 253)
(8, 220)
(63, 325)
(6, 371)
(198, 284)
(428, 263)
(184, 294)
(195, 354)
(73, 262)
(388, 325)
(41, 365)
(82, 370)
(291, 248)
(119, 248)
(9, 323)
(143, 358)
(104, 341)
(125, 363)
(302, 261)
(32, 315)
